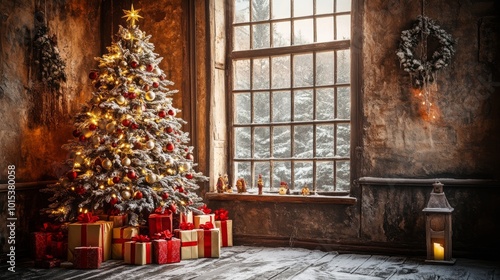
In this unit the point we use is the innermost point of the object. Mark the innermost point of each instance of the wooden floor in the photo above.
(242, 262)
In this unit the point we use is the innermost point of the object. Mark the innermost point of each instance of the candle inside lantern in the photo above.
(438, 251)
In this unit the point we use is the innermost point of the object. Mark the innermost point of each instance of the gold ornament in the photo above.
(102, 124)
(120, 100)
(96, 140)
(132, 15)
(79, 159)
(150, 96)
(126, 161)
(88, 133)
(151, 178)
(150, 144)
(110, 127)
(107, 164)
(96, 100)
(96, 111)
(123, 63)
(126, 194)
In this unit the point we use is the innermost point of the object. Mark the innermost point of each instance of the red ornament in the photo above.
(190, 156)
(72, 175)
(162, 77)
(173, 208)
(126, 122)
(80, 190)
(83, 138)
(150, 68)
(92, 126)
(189, 176)
(145, 87)
(156, 84)
(138, 195)
(116, 179)
(113, 201)
(132, 95)
(119, 131)
(134, 126)
(114, 145)
(137, 145)
(131, 175)
(98, 162)
(93, 75)
(169, 129)
(76, 133)
(165, 196)
(171, 112)
(180, 189)
(134, 64)
(102, 141)
(162, 114)
(170, 147)
(125, 94)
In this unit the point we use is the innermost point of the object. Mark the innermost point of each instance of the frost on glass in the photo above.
(262, 138)
(282, 142)
(241, 11)
(261, 113)
(242, 142)
(241, 39)
(241, 73)
(282, 106)
(280, 9)
(324, 176)
(343, 66)
(281, 34)
(261, 36)
(282, 171)
(325, 67)
(303, 105)
(264, 169)
(242, 110)
(343, 27)
(343, 140)
(343, 6)
(324, 7)
(325, 136)
(303, 31)
(324, 29)
(260, 73)
(280, 71)
(343, 175)
(303, 70)
(243, 170)
(343, 103)
(303, 172)
(325, 104)
(302, 8)
(303, 141)
(260, 10)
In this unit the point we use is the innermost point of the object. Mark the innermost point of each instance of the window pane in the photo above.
(261, 73)
(325, 104)
(242, 142)
(281, 142)
(324, 29)
(243, 170)
(281, 172)
(325, 68)
(241, 74)
(260, 10)
(343, 6)
(242, 110)
(343, 27)
(343, 103)
(242, 38)
(324, 176)
(303, 175)
(325, 135)
(303, 105)
(262, 140)
(281, 34)
(261, 107)
(281, 71)
(264, 169)
(281, 9)
(302, 70)
(343, 175)
(303, 31)
(324, 7)
(282, 106)
(343, 140)
(343, 66)
(302, 8)
(303, 141)
(261, 36)
(242, 11)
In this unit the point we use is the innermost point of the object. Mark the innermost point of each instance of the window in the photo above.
(291, 93)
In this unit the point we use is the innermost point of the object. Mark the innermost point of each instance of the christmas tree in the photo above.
(128, 154)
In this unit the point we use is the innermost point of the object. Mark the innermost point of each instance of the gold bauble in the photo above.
(102, 124)
(150, 96)
(151, 178)
(79, 159)
(110, 127)
(87, 133)
(150, 144)
(126, 161)
(107, 164)
(96, 111)
(96, 100)
(96, 140)
(120, 100)
(126, 194)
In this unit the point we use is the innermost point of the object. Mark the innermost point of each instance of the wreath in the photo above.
(422, 71)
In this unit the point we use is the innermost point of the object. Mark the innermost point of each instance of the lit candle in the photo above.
(438, 251)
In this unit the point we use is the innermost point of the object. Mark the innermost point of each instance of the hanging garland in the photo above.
(423, 71)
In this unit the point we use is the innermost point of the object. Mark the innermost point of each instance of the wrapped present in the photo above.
(208, 241)
(166, 248)
(120, 236)
(201, 219)
(87, 257)
(40, 243)
(225, 225)
(160, 222)
(138, 251)
(59, 245)
(118, 220)
(47, 261)
(189, 241)
(90, 233)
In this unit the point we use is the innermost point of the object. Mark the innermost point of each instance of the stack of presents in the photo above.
(95, 239)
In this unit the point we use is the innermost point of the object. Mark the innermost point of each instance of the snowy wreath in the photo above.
(423, 71)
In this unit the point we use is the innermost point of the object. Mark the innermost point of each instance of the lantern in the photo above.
(438, 227)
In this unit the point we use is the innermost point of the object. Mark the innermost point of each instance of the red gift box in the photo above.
(93, 234)
(59, 249)
(226, 232)
(87, 257)
(159, 222)
(202, 219)
(40, 242)
(167, 251)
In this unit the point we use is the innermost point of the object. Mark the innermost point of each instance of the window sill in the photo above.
(313, 199)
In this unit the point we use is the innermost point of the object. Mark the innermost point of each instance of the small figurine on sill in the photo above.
(284, 188)
(305, 190)
(228, 189)
(221, 185)
(260, 184)
(241, 185)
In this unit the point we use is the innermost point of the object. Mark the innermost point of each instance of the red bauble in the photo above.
(162, 77)
(83, 138)
(80, 190)
(132, 95)
(150, 68)
(162, 114)
(180, 189)
(134, 126)
(131, 175)
(189, 176)
(76, 133)
(137, 145)
(156, 84)
(119, 131)
(171, 112)
(126, 122)
(165, 196)
(169, 129)
(98, 162)
(173, 208)
(170, 147)
(134, 64)
(93, 75)
(72, 175)
(102, 141)
(92, 126)
(125, 94)
(116, 180)
(114, 145)
(138, 195)
(190, 156)
(113, 201)
(145, 87)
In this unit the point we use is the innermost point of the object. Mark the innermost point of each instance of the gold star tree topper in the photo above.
(132, 15)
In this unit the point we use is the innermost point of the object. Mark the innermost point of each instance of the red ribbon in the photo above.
(223, 225)
(205, 209)
(121, 240)
(132, 253)
(87, 218)
(186, 226)
(49, 227)
(207, 226)
(140, 238)
(166, 234)
(207, 243)
(221, 214)
(189, 243)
